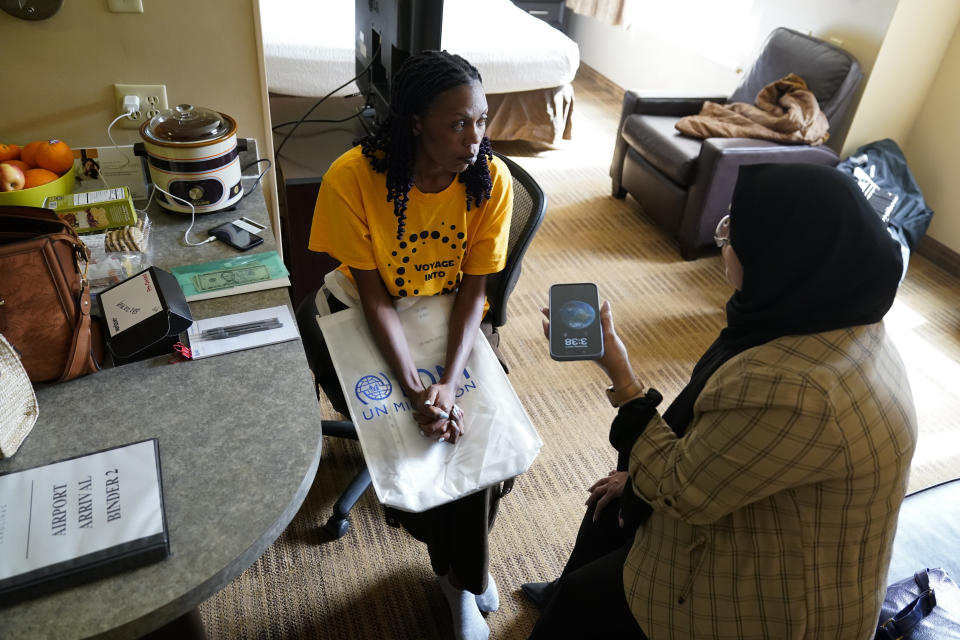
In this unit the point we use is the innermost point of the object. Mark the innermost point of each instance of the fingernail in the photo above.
(422, 434)
(440, 439)
(444, 415)
(427, 403)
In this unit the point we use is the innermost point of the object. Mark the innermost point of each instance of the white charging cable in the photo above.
(193, 215)
(131, 104)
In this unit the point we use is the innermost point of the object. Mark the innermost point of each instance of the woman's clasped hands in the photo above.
(437, 414)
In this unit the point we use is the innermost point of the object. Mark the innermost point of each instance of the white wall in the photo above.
(909, 50)
(932, 144)
(695, 47)
(858, 26)
(58, 74)
(647, 61)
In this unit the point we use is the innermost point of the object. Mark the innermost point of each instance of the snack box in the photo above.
(90, 211)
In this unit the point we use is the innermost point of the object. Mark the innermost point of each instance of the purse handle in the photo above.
(81, 346)
(82, 342)
(900, 625)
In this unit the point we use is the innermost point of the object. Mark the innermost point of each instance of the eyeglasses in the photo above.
(722, 234)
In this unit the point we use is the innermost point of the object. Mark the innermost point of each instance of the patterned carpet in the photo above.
(376, 582)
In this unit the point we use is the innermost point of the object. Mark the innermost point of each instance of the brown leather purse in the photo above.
(45, 296)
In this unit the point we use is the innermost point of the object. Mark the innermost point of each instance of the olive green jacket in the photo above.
(774, 515)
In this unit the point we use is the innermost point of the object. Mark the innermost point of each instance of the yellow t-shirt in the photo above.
(354, 223)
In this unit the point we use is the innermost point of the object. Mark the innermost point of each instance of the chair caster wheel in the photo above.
(337, 528)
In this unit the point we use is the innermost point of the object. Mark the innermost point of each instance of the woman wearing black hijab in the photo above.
(763, 503)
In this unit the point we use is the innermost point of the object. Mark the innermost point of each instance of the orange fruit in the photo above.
(29, 152)
(9, 152)
(18, 163)
(54, 155)
(37, 177)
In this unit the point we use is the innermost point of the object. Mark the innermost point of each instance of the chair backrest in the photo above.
(529, 207)
(831, 73)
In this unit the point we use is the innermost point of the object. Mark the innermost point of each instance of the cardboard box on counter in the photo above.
(90, 211)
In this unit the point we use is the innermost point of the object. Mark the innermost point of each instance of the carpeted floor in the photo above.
(376, 581)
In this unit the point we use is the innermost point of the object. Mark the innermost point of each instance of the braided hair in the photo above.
(391, 147)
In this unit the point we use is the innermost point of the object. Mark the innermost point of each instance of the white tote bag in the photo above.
(411, 472)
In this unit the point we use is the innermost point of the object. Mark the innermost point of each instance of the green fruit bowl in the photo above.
(35, 196)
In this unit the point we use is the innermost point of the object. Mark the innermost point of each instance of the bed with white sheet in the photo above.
(526, 65)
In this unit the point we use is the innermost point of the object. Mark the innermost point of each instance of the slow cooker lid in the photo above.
(187, 123)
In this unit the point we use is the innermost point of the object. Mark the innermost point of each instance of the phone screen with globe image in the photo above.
(575, 332)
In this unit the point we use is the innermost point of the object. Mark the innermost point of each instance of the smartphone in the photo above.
(240, 234)
(575, 331)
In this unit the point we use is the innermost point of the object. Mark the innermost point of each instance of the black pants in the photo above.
(456, 535)
(589, 601)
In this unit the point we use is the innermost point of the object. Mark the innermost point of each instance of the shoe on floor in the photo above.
(539, 593)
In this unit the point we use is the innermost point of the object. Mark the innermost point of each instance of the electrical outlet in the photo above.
(153, 100)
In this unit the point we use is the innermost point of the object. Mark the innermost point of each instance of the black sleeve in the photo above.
(633, 509)
(631, 420)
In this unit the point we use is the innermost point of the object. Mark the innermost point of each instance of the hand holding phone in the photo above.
(575, 330)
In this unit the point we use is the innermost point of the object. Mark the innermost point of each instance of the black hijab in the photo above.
(815, 257)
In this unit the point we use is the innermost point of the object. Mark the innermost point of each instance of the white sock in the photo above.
(468, 624)
(489, 600)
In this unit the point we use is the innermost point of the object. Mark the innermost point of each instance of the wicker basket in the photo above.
(18, 403)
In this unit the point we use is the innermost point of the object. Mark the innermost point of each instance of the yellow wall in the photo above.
(932, 149)
(58, 74)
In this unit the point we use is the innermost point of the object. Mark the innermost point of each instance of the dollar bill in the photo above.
(226, 278)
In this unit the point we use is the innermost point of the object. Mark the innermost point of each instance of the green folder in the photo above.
(230, 276)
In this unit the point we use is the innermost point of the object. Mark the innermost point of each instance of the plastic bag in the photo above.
(117, 254)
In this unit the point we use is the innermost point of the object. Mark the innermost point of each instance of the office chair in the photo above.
(529, 207)
(685, 184)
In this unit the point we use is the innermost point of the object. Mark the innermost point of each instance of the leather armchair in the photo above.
(684, 183)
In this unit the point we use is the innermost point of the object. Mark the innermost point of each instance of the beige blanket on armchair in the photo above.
(786, 112)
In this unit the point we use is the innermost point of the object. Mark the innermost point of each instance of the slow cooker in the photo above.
(193, 153)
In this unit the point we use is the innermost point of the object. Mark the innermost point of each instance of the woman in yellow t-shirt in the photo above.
(421, 207)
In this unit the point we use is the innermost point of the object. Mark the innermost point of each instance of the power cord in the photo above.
(279, 148)
(287, 124)
(193, 211)
(257, 181)
(193, 215)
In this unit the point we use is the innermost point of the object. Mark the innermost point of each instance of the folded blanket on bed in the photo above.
(786, 112)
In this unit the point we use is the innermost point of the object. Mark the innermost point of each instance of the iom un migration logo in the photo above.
(373, 387)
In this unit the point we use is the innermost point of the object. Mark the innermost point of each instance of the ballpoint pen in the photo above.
(233, 330)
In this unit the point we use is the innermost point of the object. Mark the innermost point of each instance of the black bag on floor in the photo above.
(922, 607)
(881, 170)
